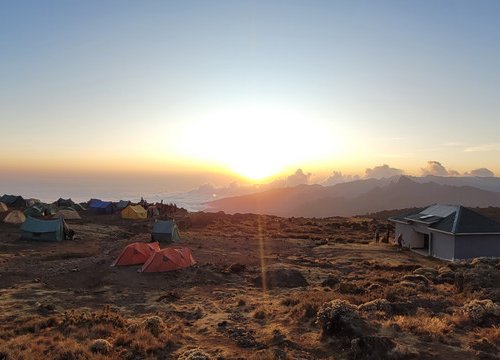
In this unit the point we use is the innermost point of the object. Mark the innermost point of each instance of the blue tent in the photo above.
(97, 206)
(165, 231)
(13, 201)
(48, 230)
(122, 204)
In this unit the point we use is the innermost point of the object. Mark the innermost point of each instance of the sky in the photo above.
(170, 94)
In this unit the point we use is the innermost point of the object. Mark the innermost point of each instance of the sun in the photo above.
(257, 142)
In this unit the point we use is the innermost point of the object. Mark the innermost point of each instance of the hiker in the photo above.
(400, 241)
(377, 235)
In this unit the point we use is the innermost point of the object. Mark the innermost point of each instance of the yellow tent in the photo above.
(14, 217)
(3, 207)
(67, 214)
(134, 212)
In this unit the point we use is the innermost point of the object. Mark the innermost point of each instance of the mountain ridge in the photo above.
(358, 197)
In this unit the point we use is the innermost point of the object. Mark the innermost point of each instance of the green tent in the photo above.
(79, 207)
(165, 231)
(34, 210)
(45, 230)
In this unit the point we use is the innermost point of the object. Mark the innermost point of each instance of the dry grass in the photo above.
(88, 335)
(422, 324)
(222, 312)
(491, 334)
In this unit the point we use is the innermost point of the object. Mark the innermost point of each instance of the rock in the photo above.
(372, 347)
(236, 268)
(286, 278)
(446, 277)
(429, 273)
(416, 279)
(330, 281)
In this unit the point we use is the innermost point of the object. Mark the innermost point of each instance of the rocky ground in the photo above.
(263, 288)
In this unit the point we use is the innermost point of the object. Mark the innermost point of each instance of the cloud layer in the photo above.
(435, 168)
(382, 171)
(337, 177)
(481, 172)
(298, 178)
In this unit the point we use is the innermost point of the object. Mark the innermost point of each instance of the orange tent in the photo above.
(169, 259)
(136, 253)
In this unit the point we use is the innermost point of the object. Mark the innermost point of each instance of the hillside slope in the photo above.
(358, 197)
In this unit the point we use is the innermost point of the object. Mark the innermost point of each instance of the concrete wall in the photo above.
(442, 246)
(469, 246)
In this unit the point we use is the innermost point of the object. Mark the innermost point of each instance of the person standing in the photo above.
(400, 241)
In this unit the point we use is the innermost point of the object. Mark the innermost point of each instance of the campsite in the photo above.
(259, 287)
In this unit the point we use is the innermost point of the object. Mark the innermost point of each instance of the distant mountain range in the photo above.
(365, 196)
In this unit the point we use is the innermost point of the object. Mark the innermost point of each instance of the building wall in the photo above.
(412, 234)
(406, 231)
(442, 246)
(469, 246)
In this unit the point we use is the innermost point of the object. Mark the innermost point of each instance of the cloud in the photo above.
(298, 178)
(481, 172)
(484, 148)
(337, 177)
(382, 171)
(437, 169)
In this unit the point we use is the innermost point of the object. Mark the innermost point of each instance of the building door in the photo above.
(426, 241)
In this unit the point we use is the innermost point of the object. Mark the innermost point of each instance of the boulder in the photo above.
(372, 347)
(284, 278)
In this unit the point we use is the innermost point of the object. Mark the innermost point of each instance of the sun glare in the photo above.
(257, 142)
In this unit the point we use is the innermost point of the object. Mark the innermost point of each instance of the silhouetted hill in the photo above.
(354, 198)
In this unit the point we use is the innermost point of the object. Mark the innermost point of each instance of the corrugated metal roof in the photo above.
(467, 221)
(439, 210)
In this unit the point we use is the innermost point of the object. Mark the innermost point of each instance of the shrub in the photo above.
(101, 346)
(481, 311)
(350, 288)
(416, 278)
(339, 317)
(194, 354)
(376, 305)
(154, 324)
(260, 315)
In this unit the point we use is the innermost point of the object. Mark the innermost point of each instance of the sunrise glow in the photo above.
(258, 142)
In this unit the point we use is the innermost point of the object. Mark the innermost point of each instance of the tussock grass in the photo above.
(422, 324)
